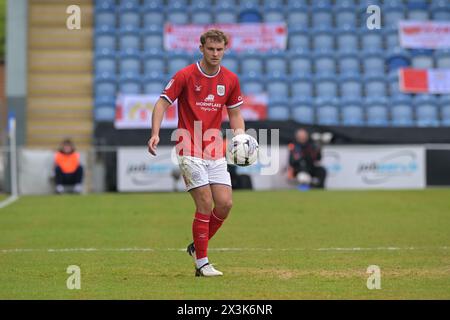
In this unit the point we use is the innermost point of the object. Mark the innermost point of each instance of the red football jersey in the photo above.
(201, 98)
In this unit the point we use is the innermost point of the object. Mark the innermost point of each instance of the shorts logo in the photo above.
(169, 84)
(220, 90)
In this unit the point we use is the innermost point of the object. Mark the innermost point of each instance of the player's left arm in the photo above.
(236, 121)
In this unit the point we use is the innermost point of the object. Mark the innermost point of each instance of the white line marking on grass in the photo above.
(18, 250)
(8, 201)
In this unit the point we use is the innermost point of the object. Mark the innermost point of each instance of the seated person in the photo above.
(304, 157)
(68, 170)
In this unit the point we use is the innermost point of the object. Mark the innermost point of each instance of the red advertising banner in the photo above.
(435, 81)
(243, 36)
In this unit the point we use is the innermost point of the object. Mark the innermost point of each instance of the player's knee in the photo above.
(225, 206)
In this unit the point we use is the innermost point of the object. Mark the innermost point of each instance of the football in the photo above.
(242, 150)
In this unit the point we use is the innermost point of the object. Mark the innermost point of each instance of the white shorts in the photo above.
(199, 172)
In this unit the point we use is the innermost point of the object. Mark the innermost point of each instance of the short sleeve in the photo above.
(235, 99)
(174, 87)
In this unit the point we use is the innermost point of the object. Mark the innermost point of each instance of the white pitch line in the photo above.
(18, 250)
(8, 201)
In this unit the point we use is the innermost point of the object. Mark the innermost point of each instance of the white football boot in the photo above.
(207, 271)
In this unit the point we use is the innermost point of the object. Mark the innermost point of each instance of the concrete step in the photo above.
(43, 13)
(60, 61)
(49, 38)
(59, 85)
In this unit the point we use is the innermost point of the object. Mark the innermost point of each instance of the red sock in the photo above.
(200, 231)
(214, 224)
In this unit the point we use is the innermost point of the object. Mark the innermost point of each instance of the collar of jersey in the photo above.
(206, 75)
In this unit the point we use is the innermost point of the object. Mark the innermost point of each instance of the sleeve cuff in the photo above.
(235, 105)
(167, 98)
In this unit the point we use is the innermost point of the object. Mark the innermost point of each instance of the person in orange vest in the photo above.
(68, 170)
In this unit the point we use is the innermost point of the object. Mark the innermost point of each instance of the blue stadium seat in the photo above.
(321, 16)
(373, 61)
(326, 86)
(300, 62)
(177, 15)
(323, 39)
(422, 59)
(303, 110)
(277, 86)
(102, 3)
(324, 62)
(402, 111)
(375, 85)
(201, 16)
(130, 3)
(273, 13)
(275, 61)
(327, 111)
(292, 4)
(249, 13)
(299, 39)
(348, 62)
(201, 4)
(393, 84)
(302, 85)
(298, 17)
(105, 85)
(153, 15)
(105, 61)
(377, 111)
(391, 38)
(442, 58)
(397, 58)
(129, 83)
(347, 3)
(154, 83)
(177, 60)
(352, 112)
(129, 61)
(417, 11)
(371, 39)
(249, 3)
(351, 85)
(427, 113)
(104, 109)
(177, 4)
(347, 39)
(152, 38)
(105, 15)
(345, 15)
(440, 11)
(105, 38)
(153, 3)
(154, 61)
(252, 83)
(129, 16)
(231, 61)
(444, 102)
(279, 109)
(226, 15)
(251, 61)
(129, 38)
(392, 14)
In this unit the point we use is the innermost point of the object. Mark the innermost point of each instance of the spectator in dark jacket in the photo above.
(304, 157)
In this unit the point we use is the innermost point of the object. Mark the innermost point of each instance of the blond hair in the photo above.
(215, 35)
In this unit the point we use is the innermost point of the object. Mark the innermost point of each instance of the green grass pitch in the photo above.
(275, 245)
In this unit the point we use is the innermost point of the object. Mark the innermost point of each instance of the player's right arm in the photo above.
(168, 96)
(157, 117)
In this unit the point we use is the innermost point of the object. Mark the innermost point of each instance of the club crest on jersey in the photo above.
(220, 90)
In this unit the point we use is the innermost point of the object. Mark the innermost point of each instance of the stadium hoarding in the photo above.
(242, 36)
(134, 111)
(138, 171)
(375, 167)
(424, 34)
(434, 81)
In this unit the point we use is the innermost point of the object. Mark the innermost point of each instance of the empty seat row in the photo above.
(317, 15)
